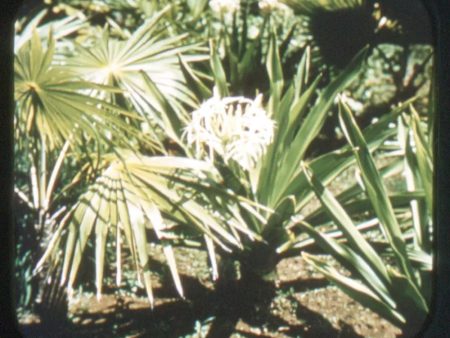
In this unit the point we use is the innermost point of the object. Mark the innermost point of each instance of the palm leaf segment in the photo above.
(54, 102)
(146, 66)
(60, 27)
(147, 192)
(310, 6)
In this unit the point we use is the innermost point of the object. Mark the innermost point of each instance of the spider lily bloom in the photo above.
(235, 128)
(224, 6)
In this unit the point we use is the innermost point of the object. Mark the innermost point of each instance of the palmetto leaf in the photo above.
(148, 51)
(138, 193)
(61, 28)
(54, 102)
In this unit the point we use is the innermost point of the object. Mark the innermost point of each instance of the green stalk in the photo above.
(34, 182)
(55, 173)
(42, 173)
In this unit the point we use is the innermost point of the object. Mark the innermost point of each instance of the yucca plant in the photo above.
(273, 176)
(392, 279)
(275, 180)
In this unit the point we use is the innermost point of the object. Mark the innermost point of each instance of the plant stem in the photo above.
(24, 198)
(43, 173)
(55, 173)
(34, 182)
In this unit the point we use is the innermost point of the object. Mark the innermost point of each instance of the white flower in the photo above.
(234, 127)
(267, 6)
(224, 6)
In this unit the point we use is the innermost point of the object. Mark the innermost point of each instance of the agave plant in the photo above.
(277, 180)
(397, 287)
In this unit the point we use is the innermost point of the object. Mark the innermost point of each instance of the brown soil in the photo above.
(305, 305)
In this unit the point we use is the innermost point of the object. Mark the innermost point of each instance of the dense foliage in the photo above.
(221, 125)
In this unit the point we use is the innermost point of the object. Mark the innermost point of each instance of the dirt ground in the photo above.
(305, 305)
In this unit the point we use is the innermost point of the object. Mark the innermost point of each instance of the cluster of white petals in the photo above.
(234, 127)
(267, 6)
(224, 6)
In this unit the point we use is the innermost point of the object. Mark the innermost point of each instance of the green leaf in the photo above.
(340, 217)
(193, 81)
(399, 201)
(274, 230)
(101, 231)
(311, 127)
(220, 79)
(157, 221)
(150, 50)
(52, 101)
(357, 291)
(140, 239)
(412, 300)
(375, 280)
(375, 189)
(328, 166)
(414, 180)
(84, 229)
(275, 72)
(172, 123)
(424, 158)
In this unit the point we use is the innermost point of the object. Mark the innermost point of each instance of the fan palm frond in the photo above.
(156, 193)
(144, 66)
(56, 103)
(61, 27)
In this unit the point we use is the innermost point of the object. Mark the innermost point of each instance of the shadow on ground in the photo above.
(175, 317)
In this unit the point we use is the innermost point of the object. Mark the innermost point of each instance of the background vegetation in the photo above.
(143, 128)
